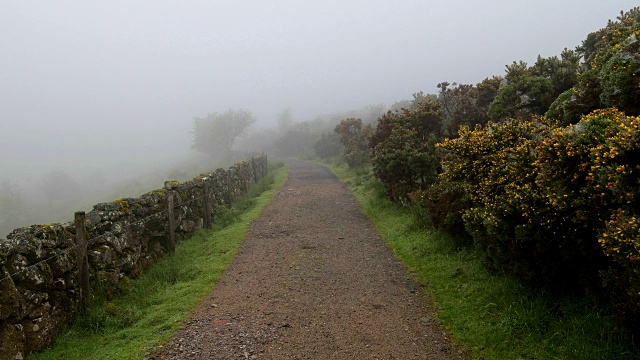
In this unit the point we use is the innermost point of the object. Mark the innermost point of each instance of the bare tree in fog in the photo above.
(216, 133)
(285, 119)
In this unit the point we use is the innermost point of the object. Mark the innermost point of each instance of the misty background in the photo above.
(98, 99)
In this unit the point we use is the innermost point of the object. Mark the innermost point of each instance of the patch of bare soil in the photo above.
(313, 280)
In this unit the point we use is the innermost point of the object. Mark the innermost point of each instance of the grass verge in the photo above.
(155, 305)
(494, 316)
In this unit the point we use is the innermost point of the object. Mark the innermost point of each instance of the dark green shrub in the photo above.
(403, 152)
(590, 173)
(445, 203)
(610, 72)
(508, 218)
(328, 146)
(558, 207)
(354, 137)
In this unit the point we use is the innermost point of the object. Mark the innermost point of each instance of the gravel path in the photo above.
(313, 280)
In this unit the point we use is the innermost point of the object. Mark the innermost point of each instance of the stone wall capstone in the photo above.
(39, 290)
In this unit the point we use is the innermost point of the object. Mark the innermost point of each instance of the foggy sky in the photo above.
(102, 83)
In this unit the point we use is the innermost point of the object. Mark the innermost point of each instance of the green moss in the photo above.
(171, 184)
(124, 206)
(50, 231)
(161, 194)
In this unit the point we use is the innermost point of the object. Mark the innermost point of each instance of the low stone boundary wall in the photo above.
(41, 289)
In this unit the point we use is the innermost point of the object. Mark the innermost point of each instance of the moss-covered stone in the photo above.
(171, 185)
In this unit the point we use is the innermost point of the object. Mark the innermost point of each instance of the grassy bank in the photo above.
(496, 317)
(152, 307)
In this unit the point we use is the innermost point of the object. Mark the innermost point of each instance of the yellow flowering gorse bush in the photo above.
(557, 206)
(508, 217)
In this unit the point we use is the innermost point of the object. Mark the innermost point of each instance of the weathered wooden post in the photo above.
(207, 204)
(171, 236)
(265, 167)
(254, 167)
(243, 177)
(82, 261)
(229, 187)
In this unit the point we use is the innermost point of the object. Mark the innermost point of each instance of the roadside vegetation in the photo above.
(149, 309)
(519, 198)
(515, 201)
(494, 315)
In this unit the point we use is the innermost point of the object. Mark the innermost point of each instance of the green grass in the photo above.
(152, 307)
(494, 316)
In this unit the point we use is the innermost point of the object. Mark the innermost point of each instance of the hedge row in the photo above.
(556, 206)
(538, 169)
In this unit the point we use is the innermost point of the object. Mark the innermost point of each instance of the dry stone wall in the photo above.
(39, 286)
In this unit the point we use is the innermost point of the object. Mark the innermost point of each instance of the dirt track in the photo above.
(313, 280)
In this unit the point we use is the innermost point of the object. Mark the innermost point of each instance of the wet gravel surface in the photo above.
(313, 280)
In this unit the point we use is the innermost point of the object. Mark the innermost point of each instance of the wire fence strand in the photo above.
(139, 221)
(38, 263)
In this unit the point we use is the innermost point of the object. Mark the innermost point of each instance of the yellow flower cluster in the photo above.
(522, 176)
(621, 238)
(496, 167)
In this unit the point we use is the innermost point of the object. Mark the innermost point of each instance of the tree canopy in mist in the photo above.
(215, 133)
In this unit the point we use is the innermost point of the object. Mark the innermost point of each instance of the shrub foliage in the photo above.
(507, 216)
(353, 137)
(403, 152)
(590, 174)
(550, 190)
(329, 145)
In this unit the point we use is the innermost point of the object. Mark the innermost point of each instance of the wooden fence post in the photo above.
(254, 165)
(171, 236)
(82, 261)
(207, 204)
(229, 187)
(263, 166)
(245, 183)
